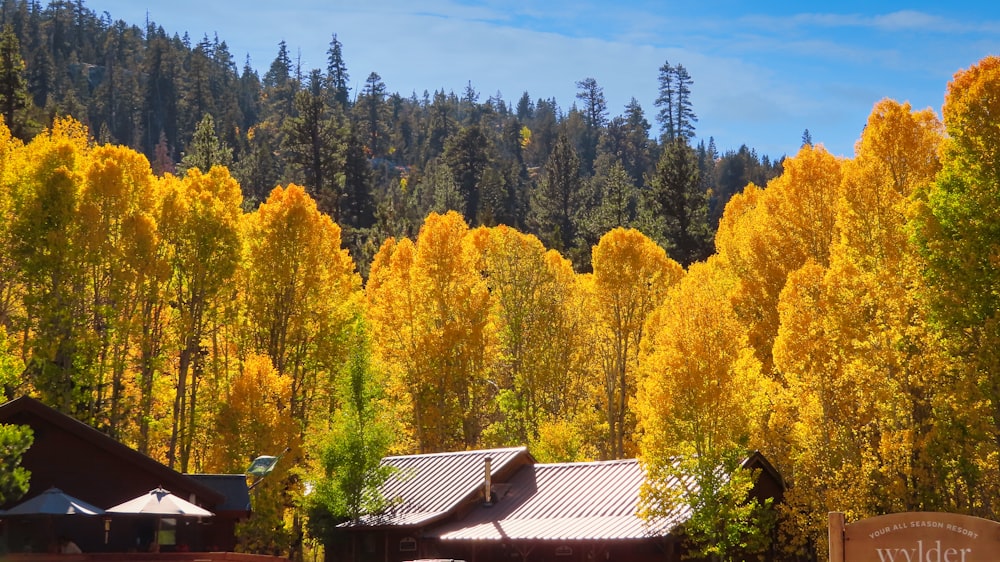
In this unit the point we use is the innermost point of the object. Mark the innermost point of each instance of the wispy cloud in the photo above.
(902, 20)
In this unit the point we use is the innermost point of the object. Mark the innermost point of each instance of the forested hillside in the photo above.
(376, 161)
(245, 266)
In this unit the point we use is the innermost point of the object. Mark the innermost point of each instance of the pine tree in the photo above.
(676, 116)
(13, 85)
(679, 204)
(595, 116)
(336, 73)
(465, 154)
(206, 149)
(557, 202)
(370, 108)
(313, 143)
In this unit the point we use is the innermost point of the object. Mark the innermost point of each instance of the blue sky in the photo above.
(763, 71)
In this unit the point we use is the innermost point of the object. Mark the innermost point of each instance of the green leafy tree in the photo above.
(958, 232)
(350, 452)
(14, 441)
(724, 526)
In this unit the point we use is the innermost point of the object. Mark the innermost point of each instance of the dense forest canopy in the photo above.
(209, 265)
(374, 160)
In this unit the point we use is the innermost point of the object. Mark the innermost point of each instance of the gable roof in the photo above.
(429, 487)
(579, 501)
(28, 411)
(565, 501)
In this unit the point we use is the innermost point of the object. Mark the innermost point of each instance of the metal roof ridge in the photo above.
(456, 453)
(586, 463)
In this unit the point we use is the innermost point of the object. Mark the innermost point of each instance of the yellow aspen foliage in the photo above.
(429, 309)
(631, 277)
(766, 234)
(896, 155)
(117, 234)
(391, 312)
(862, 372)
(701, 387)
(153, 412)
(201, 224)
(255, 419)
(701, 402)
(957, 229)
(47, 178)
(11, 289)
(300, 291)
(577, 430)
(537, 364)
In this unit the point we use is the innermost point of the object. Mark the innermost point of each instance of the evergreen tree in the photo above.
(314, 145)
(441, 123)
(465, 154)
(676, 116)
(370, 108)
(679, 204)
(160, 68)
(686, 118)
(336, 73)
(13, 85)
(525, 108)
(618, 203)
(558, 199)
(595, 116)
(249, 96)
(206, 149)
(279, 84)
(357, 204)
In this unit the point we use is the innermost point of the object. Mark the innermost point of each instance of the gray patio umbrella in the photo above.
(52, 502)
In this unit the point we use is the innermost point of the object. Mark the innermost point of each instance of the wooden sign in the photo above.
(915, 537)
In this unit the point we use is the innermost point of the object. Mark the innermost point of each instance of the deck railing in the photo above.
(142, 557)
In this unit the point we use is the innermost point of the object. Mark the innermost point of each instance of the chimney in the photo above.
(488, 492)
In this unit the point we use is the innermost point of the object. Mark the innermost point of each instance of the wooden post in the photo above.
(836, 537)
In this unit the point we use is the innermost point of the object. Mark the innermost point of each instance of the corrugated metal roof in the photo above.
(567, 501)
(430, 486)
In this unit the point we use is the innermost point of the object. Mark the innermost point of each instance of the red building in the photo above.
(89, 465)
(565, 512)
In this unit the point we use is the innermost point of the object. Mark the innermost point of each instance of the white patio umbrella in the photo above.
(160, 503)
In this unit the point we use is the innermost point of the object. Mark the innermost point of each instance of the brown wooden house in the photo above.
(500, 505)
(89, 465)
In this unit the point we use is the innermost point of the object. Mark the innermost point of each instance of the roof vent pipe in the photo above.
(487, 490)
